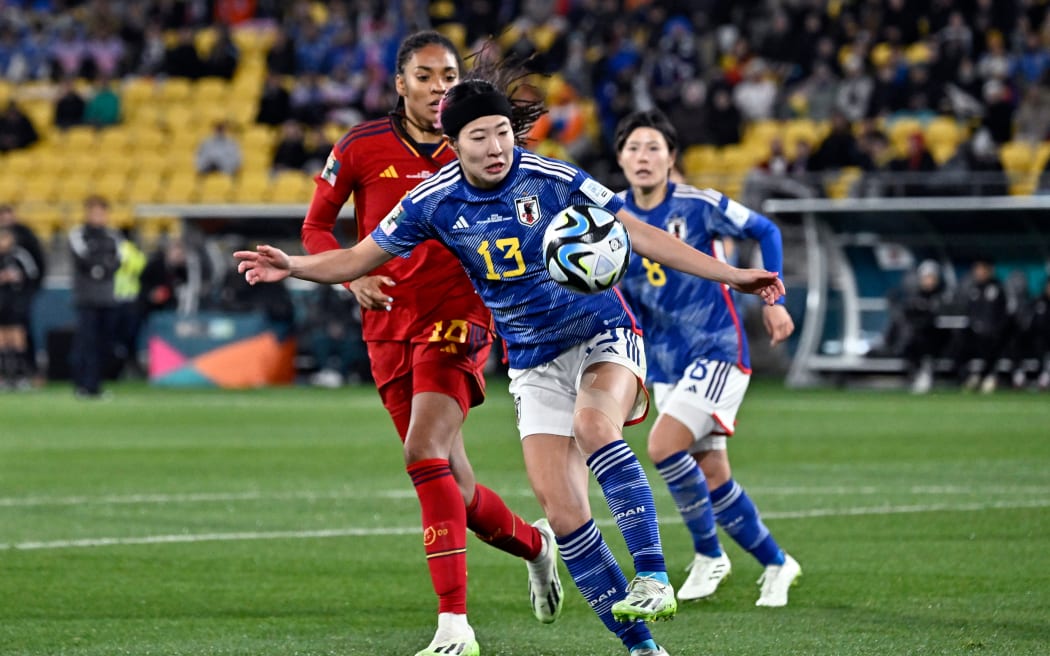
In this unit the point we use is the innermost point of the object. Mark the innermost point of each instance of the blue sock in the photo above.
(688, 488)
(630, 499)
(599, 579)
(738, 516)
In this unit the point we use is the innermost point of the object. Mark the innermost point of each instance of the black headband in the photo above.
(455, 116)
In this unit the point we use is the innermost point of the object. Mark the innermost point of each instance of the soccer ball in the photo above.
(586, 248)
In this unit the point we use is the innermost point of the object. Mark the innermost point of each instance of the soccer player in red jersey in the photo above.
(429, 337)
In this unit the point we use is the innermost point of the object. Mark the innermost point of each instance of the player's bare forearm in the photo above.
(661, 247)
(343, 265)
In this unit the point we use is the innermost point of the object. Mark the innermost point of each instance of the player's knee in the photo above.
(594, 429)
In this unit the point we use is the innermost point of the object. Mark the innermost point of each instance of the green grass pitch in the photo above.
(281, 522)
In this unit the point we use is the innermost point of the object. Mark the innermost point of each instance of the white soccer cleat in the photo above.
(649, 651)
(705, 574)
(545, 592)
(446, 644)
(647, 600)
(776, 580)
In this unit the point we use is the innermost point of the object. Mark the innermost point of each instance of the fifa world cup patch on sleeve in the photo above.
(390, 221)
(596, 191)
(736, 212)
(331, 170)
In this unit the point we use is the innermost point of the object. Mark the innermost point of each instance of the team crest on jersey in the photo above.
(676, 227)
(331, 169)
(527, 209)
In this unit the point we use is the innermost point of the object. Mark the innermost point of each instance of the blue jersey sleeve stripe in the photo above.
(446, 177)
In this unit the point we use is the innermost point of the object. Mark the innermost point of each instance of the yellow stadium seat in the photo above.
(75, 188)
(114, 140)
(146, 139)
(943, 130)
(901, 130)
(80, 138)
(41, 113)
(112, 185)
(211, 90)
(737, 159)
(215, 188)
(1017, 157)
(252, 187)
(83, 163)
(762, 132)
(43, 218)
(39, 189)
(180, 188)
(942, 152)
(204, 40)
(699, 158)
(801, 129)
(178, 116)
(291, 187)
(121, 215)
(143, 188)
(175, 90)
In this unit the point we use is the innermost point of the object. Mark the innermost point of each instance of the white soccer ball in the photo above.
(586, 248)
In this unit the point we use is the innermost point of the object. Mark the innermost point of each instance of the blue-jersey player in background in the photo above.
(698, 359)
(577, 363)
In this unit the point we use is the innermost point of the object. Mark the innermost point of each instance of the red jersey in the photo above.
(379, 163)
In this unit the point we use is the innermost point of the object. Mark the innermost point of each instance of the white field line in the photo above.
(312, 495)
(410, 530)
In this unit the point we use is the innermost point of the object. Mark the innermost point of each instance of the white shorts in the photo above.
(705, 400)
(545, 395)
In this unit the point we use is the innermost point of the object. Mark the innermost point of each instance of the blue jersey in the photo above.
(685, 317)
(497, 234)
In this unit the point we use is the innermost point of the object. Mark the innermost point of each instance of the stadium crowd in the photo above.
(910, 98)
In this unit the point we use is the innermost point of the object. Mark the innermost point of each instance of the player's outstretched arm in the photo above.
(661, 247)
(270, 264)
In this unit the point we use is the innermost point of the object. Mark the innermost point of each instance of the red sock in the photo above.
(444, 532)
(492, 521)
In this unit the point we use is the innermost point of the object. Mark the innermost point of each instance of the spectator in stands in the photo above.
(103, 109)
(755, 94)
(16, 130)
(974, 170)
(853, 94)
(182, 58)
(151, 57)
(839, 148)
(280, 59)
(223, 57)
(95, 247)
(723, 118)
(103, 53)
(688, 115)
(26, 239)
(317, 147)
(67, 53)
(19, 279)
(219, 152)
(69, 106)
(999, 110)
(909, 174)
(913, 333)
(308, 101)
(1032, 121)
(127, 283)
(290, 153)
(275, 104)
(977, 348)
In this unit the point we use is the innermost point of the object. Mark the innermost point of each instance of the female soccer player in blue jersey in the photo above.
(577, 364)
(698, 357)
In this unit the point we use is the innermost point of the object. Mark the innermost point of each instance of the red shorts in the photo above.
(447, 360)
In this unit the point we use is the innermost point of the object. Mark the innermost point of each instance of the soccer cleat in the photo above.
(649, 651)
(647, 600)
(445, 645)
(544, 584)
(705, 574)
(776, 581)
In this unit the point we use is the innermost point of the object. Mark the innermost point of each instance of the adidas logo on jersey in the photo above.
(460, 224)
(691, 389)
(389, 172)
(451, 348)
